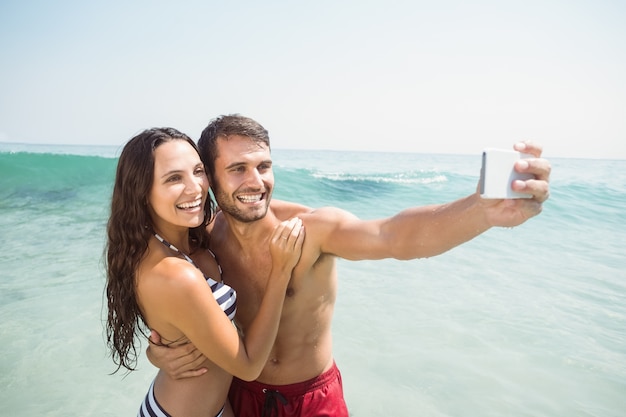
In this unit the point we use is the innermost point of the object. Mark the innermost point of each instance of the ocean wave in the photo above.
(391, 178)
(36, 177)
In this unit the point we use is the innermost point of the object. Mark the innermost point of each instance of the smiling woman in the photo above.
(161, 276)
(180, 189)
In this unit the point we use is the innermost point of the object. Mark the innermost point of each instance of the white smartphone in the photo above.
(498, 173)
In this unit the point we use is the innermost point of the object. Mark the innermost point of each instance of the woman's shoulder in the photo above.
(169, 273)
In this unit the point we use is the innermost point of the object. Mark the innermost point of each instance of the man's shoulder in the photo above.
(286, 209)
(282, 206)
(327, 215)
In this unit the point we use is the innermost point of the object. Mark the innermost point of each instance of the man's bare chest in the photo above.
(248, 276)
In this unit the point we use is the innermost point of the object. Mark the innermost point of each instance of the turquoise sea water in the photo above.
(528, 321)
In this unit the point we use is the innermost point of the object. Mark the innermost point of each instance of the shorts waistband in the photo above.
(290, 390)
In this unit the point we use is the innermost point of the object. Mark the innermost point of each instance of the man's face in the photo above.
(244, 179)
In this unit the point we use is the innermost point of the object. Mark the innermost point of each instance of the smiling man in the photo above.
(301, 377)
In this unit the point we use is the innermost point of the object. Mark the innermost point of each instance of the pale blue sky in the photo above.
(417, 76)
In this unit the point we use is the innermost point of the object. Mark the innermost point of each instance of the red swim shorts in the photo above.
(321, 396)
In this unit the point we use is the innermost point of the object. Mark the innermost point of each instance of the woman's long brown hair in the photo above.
(129, 230)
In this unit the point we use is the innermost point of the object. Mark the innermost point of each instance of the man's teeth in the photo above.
(250, 198)
(191, 204)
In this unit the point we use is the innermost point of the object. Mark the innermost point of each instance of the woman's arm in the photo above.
(200, 319)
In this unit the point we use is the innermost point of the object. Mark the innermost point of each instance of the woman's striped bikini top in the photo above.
(225, 295)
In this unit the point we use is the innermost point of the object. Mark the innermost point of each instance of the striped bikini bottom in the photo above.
(151, 407)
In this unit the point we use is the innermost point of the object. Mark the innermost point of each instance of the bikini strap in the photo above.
(219, 267)
(174, 248)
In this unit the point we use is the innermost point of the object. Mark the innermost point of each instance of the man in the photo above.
(300, 377)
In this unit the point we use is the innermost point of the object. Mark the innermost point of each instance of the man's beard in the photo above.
(228, 205)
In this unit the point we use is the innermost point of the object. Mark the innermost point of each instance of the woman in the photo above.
(158, 268)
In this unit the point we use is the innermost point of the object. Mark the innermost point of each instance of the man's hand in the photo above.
(513, 212)
(182, 361)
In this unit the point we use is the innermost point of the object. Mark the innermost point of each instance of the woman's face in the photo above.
(180, 186)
